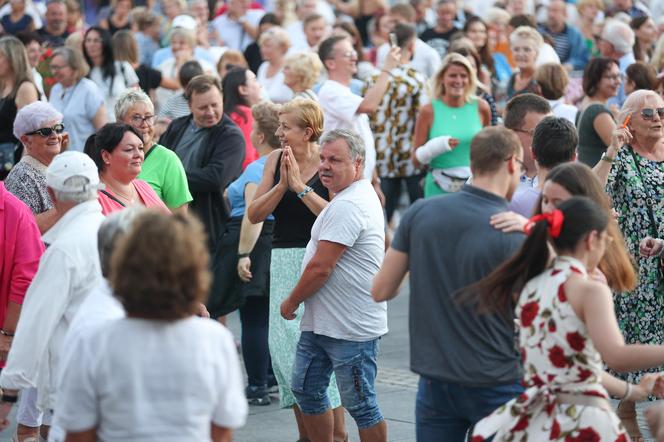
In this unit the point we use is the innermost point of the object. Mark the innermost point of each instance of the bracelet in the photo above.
(628, 391)
(607, 158)
(6, 333)
(243, 255)
(306, 190)
(387, 72)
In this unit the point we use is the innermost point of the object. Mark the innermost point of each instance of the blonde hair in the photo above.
(17, 57)
(634, 103)
(657, 60)
(307, 113)
(124, 46)
(306, 66)
(583, 3)
(526, 33)
(74, 60)
(497, 15)
(450, 60)
(552, 79)
(188, 36)
(278, 35)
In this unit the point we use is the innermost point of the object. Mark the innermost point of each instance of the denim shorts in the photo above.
(354, 364)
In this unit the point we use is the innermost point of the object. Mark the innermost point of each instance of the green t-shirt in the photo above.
(163, 171)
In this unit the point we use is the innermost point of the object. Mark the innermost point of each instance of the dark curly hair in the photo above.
(594, 72)
(160, 269)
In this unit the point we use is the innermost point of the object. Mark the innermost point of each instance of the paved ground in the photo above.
(395, 387)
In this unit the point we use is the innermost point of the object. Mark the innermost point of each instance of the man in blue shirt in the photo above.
(567, 40)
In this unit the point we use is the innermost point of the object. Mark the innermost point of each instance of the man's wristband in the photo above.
(304, 192)
(243, 255)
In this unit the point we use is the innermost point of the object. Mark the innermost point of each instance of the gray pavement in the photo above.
(395, 386)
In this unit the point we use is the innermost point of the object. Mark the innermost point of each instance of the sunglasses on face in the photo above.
(649, 114)
(48, 131)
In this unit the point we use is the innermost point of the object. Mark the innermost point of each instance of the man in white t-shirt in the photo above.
(238, 27)
(341, 325)
(342, 108)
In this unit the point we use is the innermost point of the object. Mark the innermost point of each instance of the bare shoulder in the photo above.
(426, 111)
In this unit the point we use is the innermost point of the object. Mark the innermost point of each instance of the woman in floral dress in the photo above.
(633, 168)
(566, 327)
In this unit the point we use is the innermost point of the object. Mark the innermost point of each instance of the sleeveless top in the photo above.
(12, 28)
(462, 123)
(113, 29)
(591, 147)
(8, 111)
(558, 357)
(293, 219)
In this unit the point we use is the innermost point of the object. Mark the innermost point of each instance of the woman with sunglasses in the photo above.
(117, 150)
(601, 81)
(633, 170)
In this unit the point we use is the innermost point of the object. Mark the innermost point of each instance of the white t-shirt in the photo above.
(232, 33)
(143, 380)
(563, 110)
(547, 55)
(340, 110)
(425, 60)
(274, 86)
(125, 77)
(343, 307)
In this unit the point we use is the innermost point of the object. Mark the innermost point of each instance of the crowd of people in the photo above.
(167, 163)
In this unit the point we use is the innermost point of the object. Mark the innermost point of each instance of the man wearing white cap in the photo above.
(68, 271)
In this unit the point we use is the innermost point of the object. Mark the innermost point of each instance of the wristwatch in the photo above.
(607, 158)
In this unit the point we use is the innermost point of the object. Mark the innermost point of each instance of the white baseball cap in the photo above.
(71, 164)
(186, 22)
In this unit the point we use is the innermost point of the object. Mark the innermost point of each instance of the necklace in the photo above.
(131, 199)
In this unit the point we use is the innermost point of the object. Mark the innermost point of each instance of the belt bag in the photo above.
(451, 180)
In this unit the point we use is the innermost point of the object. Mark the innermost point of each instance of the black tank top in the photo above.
(8, 112)
(292, 218)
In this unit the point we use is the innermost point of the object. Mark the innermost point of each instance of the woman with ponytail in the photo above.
(567, 331)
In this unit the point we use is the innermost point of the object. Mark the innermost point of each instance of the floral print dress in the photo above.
(558, 358)
(640, 312)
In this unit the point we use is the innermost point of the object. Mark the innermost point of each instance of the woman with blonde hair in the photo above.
(525, 44)
(454, 116)
(229, 60)
(589, 11)
(17, 89)
(301, 72)
(274, 44)
(293, 193)
(657, 60)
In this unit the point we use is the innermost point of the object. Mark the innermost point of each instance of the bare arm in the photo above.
(221, 434)
(249, 234)
(388, 280)
(82, 436)
(595, 308)
(620, 137)
(604, 126)
(169, 83)
(351, 8)
(317, 271)
(100, 117)
(422, 128)
(268, 195)
(312, 200)
(374, 96)
(46, 220)
(182, 209)
(26, 94)
(485, 112)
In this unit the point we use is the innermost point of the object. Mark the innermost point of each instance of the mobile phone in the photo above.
(393, 40)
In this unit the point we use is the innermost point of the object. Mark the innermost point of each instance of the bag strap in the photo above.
(113, 198)
(650, 200)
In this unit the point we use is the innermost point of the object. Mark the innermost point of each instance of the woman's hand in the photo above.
(651, 383)
(244, 268)
(650, 247)
(283, 171)
(294, 180)
(508, 222)
(619, 137)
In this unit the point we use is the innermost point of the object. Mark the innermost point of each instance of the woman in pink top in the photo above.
(117, 149)
(21, 248)
(241, 91)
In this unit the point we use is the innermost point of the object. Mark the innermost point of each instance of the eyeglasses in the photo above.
(137, 120)
(349, 54)
(522, 165)
(48, 131)
(92, 40)
(614, 77)
(648, 113)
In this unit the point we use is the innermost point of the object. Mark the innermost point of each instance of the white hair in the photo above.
(353, 140)
(129, 98)
(88, 193)
(620, 35)
(33, 117)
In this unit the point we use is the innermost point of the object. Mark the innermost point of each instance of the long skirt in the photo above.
(284, 335)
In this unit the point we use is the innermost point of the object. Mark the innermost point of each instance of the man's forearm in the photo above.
(312, 279)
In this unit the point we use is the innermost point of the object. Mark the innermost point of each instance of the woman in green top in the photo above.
(455, 112)
(162, 168)
(588, 11)
(595, 123)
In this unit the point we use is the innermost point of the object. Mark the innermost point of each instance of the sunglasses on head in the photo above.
(48, 131)
(649, 114)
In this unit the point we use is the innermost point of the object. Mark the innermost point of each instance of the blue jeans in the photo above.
(354, 364)
(445, 411)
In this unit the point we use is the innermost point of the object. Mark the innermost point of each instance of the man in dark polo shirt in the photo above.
(467, 362)
(54, 31)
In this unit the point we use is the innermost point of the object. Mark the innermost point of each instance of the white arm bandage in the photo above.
(432, 148)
